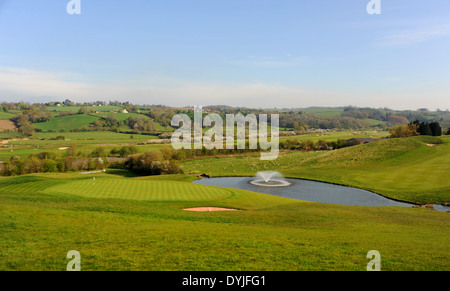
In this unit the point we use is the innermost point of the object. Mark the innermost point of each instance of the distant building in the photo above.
(125, 111)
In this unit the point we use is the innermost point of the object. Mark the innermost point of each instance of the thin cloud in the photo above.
(413, 36)
(271, 62)
(18, 84)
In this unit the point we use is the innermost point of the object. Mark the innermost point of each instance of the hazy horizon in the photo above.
(283, 54)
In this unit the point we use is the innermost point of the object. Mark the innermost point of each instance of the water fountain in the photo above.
(270, 179)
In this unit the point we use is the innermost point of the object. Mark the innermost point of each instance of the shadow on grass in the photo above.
(122, 173)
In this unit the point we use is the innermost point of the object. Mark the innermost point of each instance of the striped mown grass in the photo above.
(140, 190)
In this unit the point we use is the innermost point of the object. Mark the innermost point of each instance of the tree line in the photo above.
(418, 128)
(148, 163)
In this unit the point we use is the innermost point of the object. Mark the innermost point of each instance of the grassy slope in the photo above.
(374, 122)
(119, 116)
(68, 122)
(39, 226)
(403, 169)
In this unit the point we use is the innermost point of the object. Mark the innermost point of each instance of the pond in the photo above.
(311, 191)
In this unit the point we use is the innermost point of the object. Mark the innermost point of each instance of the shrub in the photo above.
(127, 150)
(34, 165)
(27, 130)
(151, 163)
(124, 151)
(72, 150)
(45, 155)
(49, 166)
(404, 130)
(98, 153)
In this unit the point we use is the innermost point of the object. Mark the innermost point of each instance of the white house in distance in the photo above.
(124, 111)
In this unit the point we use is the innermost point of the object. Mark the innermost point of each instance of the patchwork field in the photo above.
(7, 125)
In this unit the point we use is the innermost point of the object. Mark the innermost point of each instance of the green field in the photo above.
(332, 136)
(77, 108)
(119, 116)
(86, 141)
(5, 115)
(8, 135)
(67, 123)
(374, 122)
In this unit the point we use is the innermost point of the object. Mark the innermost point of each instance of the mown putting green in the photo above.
(140, 190)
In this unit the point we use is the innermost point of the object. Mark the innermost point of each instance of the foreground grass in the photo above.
(40, 221)
(404, 169)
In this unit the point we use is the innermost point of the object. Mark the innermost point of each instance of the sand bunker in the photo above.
(63, 148)
(431, 145)
(206, 209)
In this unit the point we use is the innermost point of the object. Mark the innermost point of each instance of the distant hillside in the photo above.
(299, 120)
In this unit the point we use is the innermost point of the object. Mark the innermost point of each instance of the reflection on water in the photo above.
(313, 191)
(309, 191)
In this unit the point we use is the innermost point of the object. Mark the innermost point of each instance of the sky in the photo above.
(248, 53)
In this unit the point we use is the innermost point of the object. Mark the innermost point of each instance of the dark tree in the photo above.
(428, 128)
(435, 128)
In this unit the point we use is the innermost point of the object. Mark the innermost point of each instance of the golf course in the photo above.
(118, 220)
